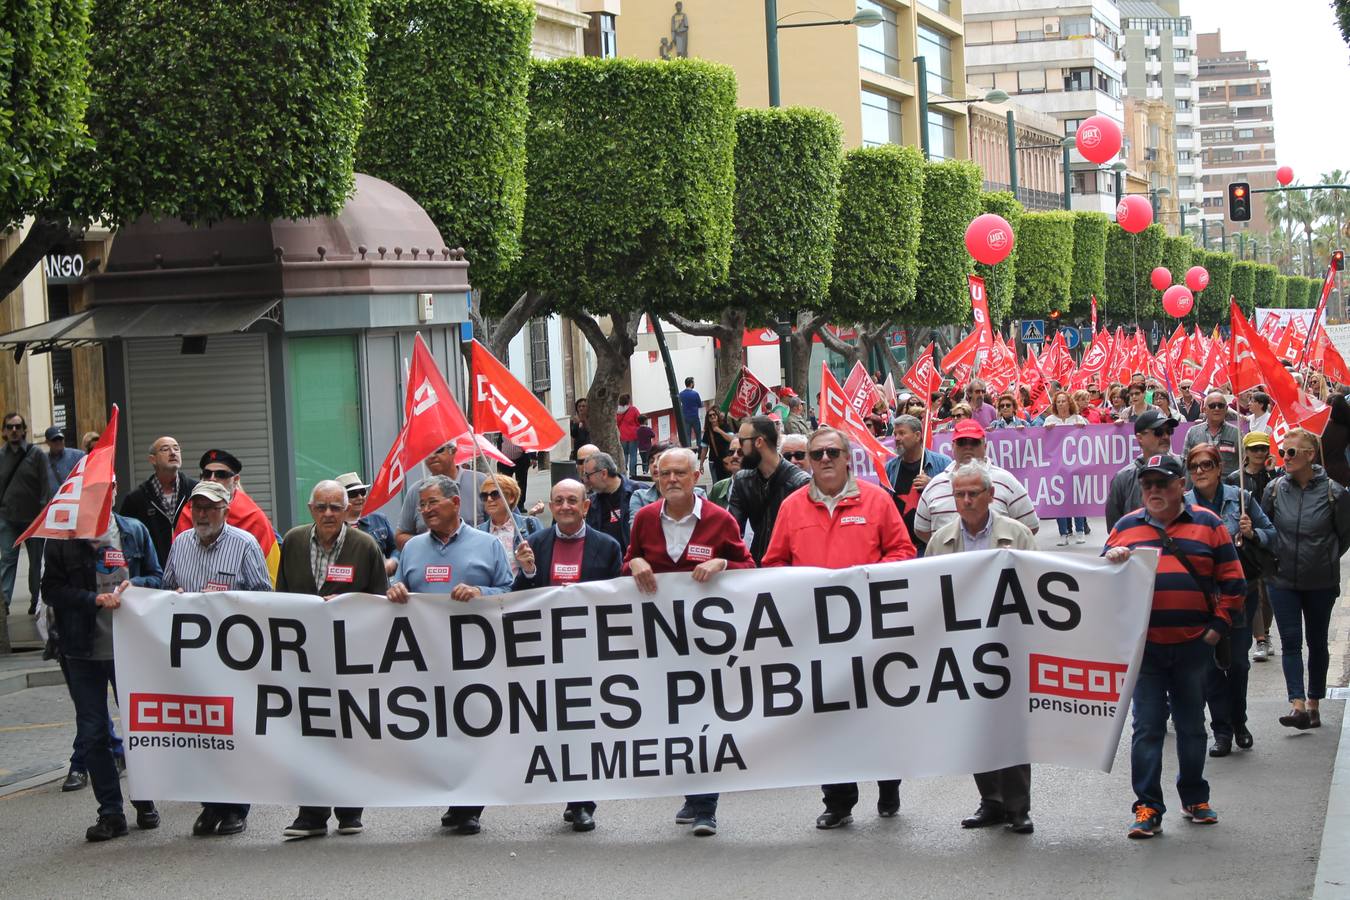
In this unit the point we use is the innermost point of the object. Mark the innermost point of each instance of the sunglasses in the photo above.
(831, 452)
(1216, 406)
(1153, 484)
(485, 496)
(16, 427)
(1204, 465)
(1258, 449)
(967, 442)
(327, 507)
(216, 474)
(355, 494)
(796, 455)
(1290, 452)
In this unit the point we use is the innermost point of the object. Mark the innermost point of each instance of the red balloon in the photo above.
(1134, 213)
(1284, 175)
(1178, 300)
(989, 238)
(1197, 278)
(1098, 139)
(1161, 278)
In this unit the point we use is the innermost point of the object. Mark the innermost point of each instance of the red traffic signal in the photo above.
(1239, 201)
(1338, 261)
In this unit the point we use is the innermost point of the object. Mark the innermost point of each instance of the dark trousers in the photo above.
(588, 805)
(1006, 789)
(1226, 691)
(9, 562)
(702, 804)
(1170, 676)
(89, 680)
(321, 813)
(77, 749)
(1295, 612)
(841, 798)
(460, 813)
(223, 808)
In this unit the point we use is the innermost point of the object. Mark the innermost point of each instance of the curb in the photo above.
(32, 781)
(1333, 863)
(30, 678)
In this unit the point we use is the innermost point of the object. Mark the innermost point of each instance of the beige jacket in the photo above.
(1006, 534)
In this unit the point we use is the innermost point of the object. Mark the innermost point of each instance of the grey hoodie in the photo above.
(1312, 530)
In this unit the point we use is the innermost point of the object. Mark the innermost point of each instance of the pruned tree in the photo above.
(1265, 292)
(1089, 261)
(1212, 302)
(1177, 253)
(1242, 284)
(1130, 259)
(1000, 280)
(951, 199)
(1045, 264)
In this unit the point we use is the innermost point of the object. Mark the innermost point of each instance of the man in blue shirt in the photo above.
(61, 459)
(452, 558)
(691, 404)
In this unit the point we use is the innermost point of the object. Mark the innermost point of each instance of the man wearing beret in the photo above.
(224, 467)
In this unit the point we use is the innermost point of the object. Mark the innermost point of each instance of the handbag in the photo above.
(1223, 650)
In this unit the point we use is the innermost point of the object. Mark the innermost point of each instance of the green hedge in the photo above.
(1130, 260)
(1213, 301)
(1278, 300)
(1089, 261)
(1243, 285)
(1176, 256)
(1045, 264)
(880, 219)
(44, 47)
(446, 120)
(951, 199)
(212, 109)
(1000, 280)
(1265, 284)
(630, 183)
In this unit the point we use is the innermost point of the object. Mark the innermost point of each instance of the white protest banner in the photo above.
(756, 679)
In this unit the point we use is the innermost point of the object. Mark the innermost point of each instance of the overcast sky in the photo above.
(1309, 68)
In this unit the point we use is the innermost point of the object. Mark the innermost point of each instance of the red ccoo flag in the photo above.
(431, 419)
(502, 403)
(922, 377)
(836, 413)
(83, 503)
(1252, 358)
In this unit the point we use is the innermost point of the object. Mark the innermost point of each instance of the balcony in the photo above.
(1031, 199)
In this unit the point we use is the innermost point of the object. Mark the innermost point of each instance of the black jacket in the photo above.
(596, 517)
(26, 481)
(601, 558)
(142, 504)
(756, 499)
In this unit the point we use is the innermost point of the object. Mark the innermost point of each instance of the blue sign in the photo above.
(1071, 338)
(1033, 331)
(1085, 334)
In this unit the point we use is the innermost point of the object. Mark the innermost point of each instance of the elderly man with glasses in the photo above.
(937, 505)
(610, 493)
(794, 451)
(375, 524)
(441, 462)
(980, 409)
(1217, 431)
(158, 501)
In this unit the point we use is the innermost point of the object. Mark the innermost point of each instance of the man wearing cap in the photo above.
(1182, 631)
(452, 558)
(937, 505)
(1153, 431)
(224, 467)
(158, 501)
(1216, 430)
(375, 524)
(329, 558)
(1255, 473)
(216, 556)
(796, 421)
(442, 462)
(25, 488)
(61, 459)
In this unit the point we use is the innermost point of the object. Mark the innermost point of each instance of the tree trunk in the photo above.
(612, 353)
(529, 305)
(45, 236)
(730, 336)
(672, 386)
(802, 341)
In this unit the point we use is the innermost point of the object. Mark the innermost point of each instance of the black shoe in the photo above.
(1222, 746)
(1020, 823)
(471, 825)
(232, 823)
(683, 816)
(206, 823)
(32, 609)
(831, 819)
(147, 819)
(1297, 718)
(583, 821)
(1242, 737)
(985, 816)
(350, 826)
(450, 819)
(305, 828)
(887, 808)
(107, 828)
(567, 815)
(75, 781)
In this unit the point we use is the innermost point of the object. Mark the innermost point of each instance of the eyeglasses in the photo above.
(968, 495)
(1290, 452)
(832, 452)
(795, 455)
(1204, 465)
(485, 496)
(967, 442)
(327, 507)
(216, 474)
(1216, 406)
(16, 427)
(589, 473)
(353, 495)
(1258, 449)
(428, 504)
(1005, 406)
(1152, 484)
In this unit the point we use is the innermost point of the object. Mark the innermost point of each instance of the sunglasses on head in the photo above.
(796, 455)
(821, 452)
(216, 474)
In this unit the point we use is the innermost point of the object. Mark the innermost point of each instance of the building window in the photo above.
(1183, 105)
(942, 6)
(1244, 90)
(599, 38)
(1247, 133)
(879, 47)
(1031, 81)
(539, 380)
(941, 136)
(880, 119)
(936, 49)
(1180, 54)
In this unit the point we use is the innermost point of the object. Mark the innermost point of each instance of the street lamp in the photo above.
(1184, 210)
(1153, 196)
(1065, 145)
(1119, 167)
(921, 88)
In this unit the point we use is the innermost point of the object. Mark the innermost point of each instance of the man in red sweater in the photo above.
(684, 533)
(835, 523)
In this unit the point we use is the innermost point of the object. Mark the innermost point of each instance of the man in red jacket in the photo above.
(837, 522)
(684, 533)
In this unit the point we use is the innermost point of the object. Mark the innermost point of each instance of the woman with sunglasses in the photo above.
(959, 411)
(718, 437)
(499, 495)
(1311, 514)
(1226, 690)
(1064, 411)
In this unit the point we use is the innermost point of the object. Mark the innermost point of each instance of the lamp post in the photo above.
(1153, 197)
(1066, 145)
(1183, 210)
(1119, 167)
(921, 88)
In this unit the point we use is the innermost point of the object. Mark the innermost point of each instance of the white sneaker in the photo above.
(1262, 651)
(1080, 538)
(1063, 540)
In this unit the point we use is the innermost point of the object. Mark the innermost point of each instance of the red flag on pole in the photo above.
(861, 390)
(922, 377)
(82, 504)
(1295, 406)
(979, 312)
(1094, 313)
(502, 403)
(1321, 308)
(836, 413)
(431, 419)
(962, 353)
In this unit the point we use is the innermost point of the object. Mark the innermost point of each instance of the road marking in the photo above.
(8, 728)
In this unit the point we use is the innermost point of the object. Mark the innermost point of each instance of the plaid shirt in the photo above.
(319, 558)
(168, 500)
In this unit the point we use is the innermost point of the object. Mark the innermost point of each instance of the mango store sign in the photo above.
(64, 268)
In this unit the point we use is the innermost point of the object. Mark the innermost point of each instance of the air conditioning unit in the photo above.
(1052, 28)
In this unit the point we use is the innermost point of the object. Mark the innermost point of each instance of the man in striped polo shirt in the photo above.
(1197, 590)
(214, 556)
(937, 506)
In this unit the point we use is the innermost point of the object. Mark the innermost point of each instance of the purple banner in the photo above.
(1067, 469)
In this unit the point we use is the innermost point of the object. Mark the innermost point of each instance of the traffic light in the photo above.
(1239, 201)
(1338, 260)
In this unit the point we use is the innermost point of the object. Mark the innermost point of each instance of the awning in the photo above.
(138, 320)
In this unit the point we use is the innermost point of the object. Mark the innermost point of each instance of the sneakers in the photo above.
(1063, 540)
(705, 825)
(1262, 651)
(1200, 814)
(350, 826)
(684, 817)
(305, 828)
(830, 819)
(107, 828)
(1080, 538)
(1147, 823)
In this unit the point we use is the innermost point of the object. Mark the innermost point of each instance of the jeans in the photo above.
(1226, 692)
(88, 680)
(9, 562)
(702, 804)
(1170, 674)
(630, 457)
(1296, 610)
(841, 798)
(1068, 526)
(77, 750)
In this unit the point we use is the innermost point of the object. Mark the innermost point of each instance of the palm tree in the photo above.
(1334, 205)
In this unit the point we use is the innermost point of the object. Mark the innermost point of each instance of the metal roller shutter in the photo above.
(218, 399)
